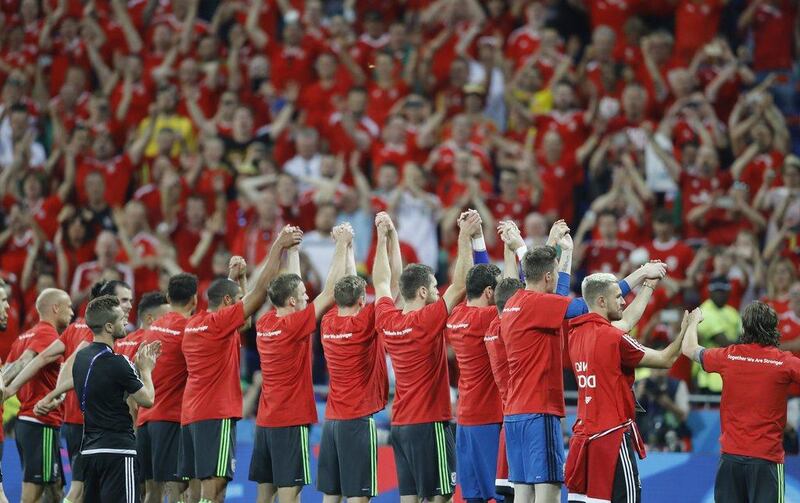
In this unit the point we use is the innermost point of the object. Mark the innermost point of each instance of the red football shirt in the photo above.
(419, 359)
(479, 400)
(756, 381)
(604, 361)
(497, 358)
(284, 345)
(211, 347)
(603, 257)
(37, 339)
(674, 253)
(129, 345)
(77, 332)
(169, 376)
(531, 331)
(356, 364)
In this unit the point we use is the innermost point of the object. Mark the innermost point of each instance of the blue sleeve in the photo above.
(480, 257)
(576, 307)
(562, 288)
(625, 287)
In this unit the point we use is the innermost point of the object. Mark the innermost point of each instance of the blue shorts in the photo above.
(535, 449)
(476, 460)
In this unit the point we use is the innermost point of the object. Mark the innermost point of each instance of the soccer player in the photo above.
(531, 331)
(3, 326)
(480, 410)
(756, 377)
(356, 358)
(37, 436)
(422, 437)
(601, 465)
(75, 337)
(281, 459)
(212, 399)
(103, 380)
(151, 307)
(158, 427)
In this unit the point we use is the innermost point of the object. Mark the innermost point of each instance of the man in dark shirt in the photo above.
(103, 381)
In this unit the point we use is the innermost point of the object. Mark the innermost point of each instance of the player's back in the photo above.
(479, 400)
(531, 331)
(604, 360)
(356, 362)
(169, 375)
(756, 381)
(415, 344)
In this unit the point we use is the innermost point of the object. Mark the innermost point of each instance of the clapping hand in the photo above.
(147, 355)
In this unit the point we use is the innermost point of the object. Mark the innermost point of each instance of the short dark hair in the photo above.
(101, 311)
(181, 288)
(663, 216)
(150, 302)
(414, 277)
(608, 212)
(283, 287)
(348, 290)
(505, 290)
(218, 289)
(479, 278)
(760, 325)
(538, 262)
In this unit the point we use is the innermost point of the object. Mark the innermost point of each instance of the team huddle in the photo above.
(154, 412)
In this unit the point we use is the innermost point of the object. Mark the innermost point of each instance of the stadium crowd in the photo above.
(146, 139)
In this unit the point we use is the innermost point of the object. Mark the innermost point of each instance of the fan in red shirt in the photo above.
(480, 408)
(283, 339)
(421, 432)
(36, 434)
(773, 27)
(606, 254)
(667, 248)
(757, 378)
(159, 427)
(601, 464)
(359, 387)
(561, 172)
(212, 398)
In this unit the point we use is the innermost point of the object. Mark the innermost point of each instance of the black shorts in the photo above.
(348, 458)
(627, 486)
(157, 447)
(281, 456)
(208, 449)
(39, 452)
(110, 477)
(749, 480)
(425, 457)
(73, 436)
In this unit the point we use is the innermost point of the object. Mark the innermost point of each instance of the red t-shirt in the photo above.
(571, 126)
(419, 359)
(772, 36)
(696, 24)
(789, 325)
(521, 44)
(72, 337)
(129, 345)
(169, 376)
(479, 400)
(756, 381)
(356, 364)
(676, 254)
(602, 257)
(212, 388)
(284, 345)
(531, 331)
(37, 339)
(604, 361)
(497, 358)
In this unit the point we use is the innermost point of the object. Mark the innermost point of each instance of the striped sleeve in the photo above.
(631, 351)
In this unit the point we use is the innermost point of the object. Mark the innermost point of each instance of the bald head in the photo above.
(55, 307)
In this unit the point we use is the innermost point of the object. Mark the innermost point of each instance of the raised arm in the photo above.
(633, 313)
(690, 347)
(469, 226)
(255, 298)
(343, 235)
(382, 273)
(665, 358)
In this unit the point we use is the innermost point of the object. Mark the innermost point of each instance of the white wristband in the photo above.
(478, 244)
(521, 251)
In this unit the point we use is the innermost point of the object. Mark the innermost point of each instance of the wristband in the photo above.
(521, 251)
(479, 244)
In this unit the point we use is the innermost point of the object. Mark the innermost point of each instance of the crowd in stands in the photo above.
(139, 139)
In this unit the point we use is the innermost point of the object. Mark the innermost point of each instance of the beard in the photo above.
(119, 334)
(615, 315)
